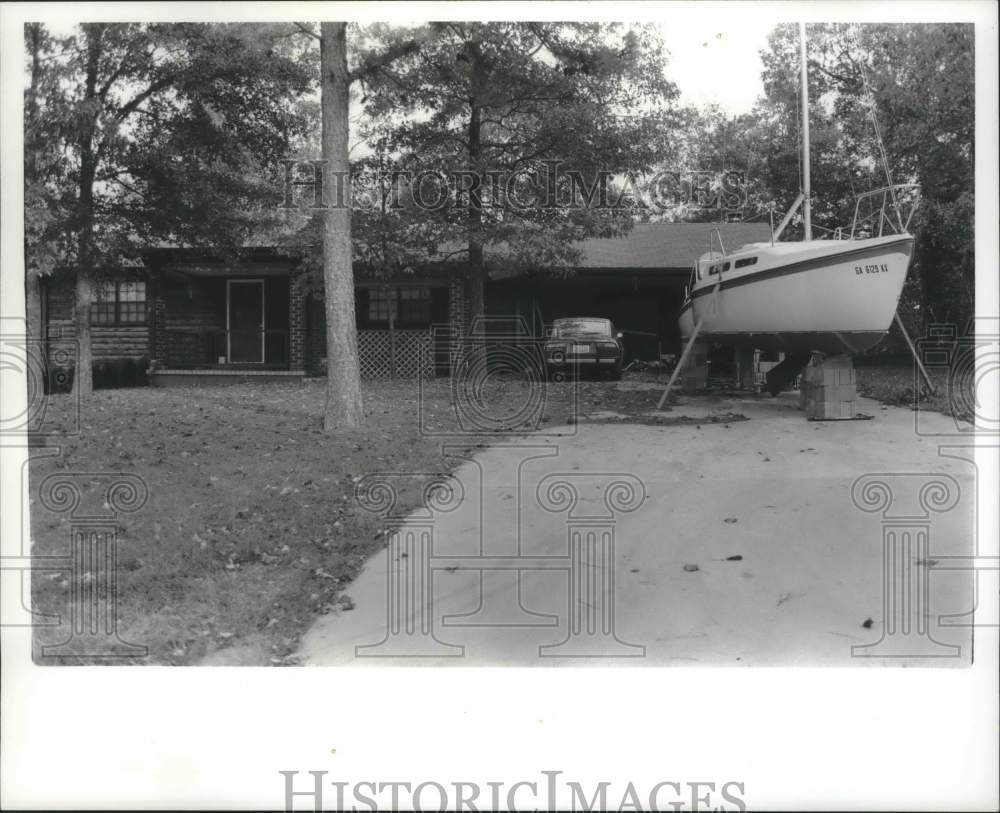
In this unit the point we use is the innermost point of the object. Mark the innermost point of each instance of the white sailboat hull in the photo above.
(832, 296)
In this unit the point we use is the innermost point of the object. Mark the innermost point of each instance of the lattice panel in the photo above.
(412, 356)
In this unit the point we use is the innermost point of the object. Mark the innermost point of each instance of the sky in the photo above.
(716, 63)
(709, 62)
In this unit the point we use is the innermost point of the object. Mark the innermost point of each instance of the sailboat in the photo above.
(832, 296)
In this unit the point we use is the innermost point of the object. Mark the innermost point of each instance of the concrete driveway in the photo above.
(738, 544)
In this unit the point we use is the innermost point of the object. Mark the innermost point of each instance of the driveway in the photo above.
(715, 543)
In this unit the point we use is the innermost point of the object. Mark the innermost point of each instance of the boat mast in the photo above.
(806, 190)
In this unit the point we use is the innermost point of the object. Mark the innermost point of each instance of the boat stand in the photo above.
(687, 350)
(681, 362)
(916, 356)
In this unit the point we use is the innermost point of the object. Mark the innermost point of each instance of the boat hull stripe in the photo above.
(795, 268)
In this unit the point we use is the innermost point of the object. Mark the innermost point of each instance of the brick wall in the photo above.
(458, 318)
(458, 304)
(297, 333)
(158, 305)
(315, 334)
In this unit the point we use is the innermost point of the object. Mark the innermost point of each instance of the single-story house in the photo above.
(195, 317)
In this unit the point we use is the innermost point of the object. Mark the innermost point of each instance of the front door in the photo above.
(245, 321)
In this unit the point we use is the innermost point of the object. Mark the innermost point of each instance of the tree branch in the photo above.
(307, 30)
(160, 84)
(395, 51)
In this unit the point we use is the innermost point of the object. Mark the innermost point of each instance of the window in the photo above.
(408, 306)
(102, 312)
(414, 306)
(119, 303)
(379, 302)
(746, 261)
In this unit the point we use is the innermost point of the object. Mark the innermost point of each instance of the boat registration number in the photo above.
(581, 348)
(881, 268)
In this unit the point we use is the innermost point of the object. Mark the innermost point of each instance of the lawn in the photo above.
(252, 529)
(894, 384)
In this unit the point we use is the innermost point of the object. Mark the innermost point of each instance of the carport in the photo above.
(637, 281)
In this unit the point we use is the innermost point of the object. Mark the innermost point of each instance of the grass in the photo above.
(894, 384)
(251, 529)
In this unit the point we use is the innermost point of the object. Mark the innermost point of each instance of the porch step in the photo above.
(179, 378)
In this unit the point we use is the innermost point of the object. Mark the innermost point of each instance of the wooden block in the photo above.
(804, 392)
(830, 393)
(830, 376)
(831, 410)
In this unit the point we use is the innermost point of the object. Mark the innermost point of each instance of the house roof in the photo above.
(657, 246)
(648, 246)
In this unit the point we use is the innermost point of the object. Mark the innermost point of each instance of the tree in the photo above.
(922, 80)
(344, 408)
(169, 132)
(527, 117)
(44, 240)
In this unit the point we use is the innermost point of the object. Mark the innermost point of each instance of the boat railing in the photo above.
(890, 207)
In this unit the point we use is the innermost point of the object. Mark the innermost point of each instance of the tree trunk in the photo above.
(83, 380)
(83, 377)
(476, 355)
(32, 283)
(477, 265)
(34, 329)
(344, 408)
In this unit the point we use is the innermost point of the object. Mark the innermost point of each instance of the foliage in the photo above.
(186, 122)
(140, 134)
(921, 80)
(488, 102)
